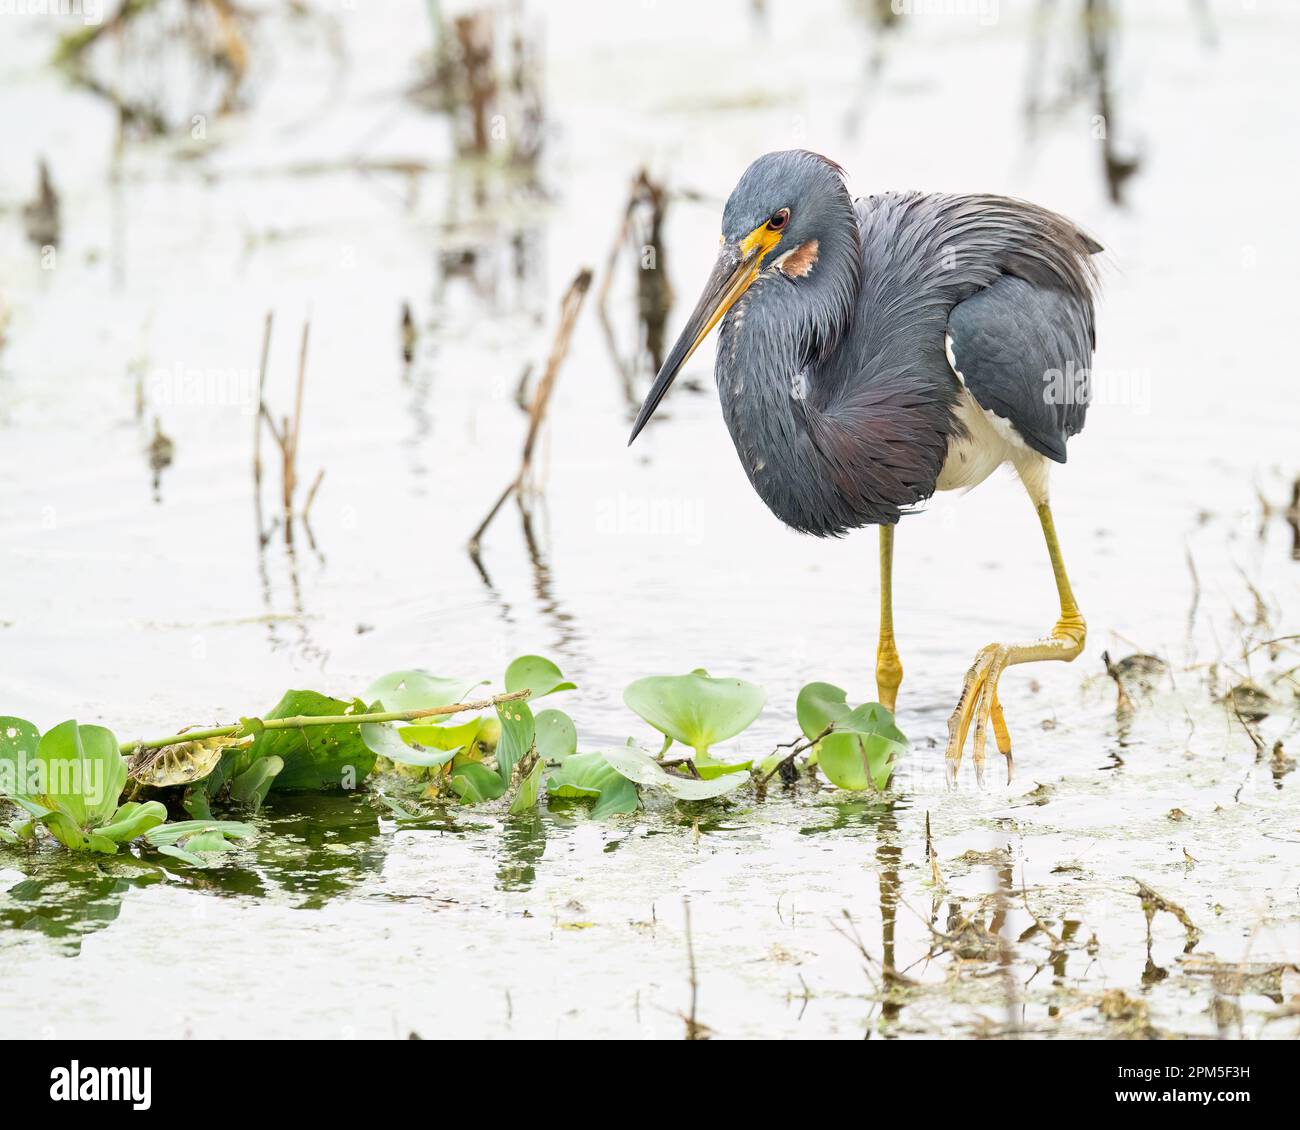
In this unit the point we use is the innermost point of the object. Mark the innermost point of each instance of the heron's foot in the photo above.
(979, 704)
(979, 693)
(889, 673)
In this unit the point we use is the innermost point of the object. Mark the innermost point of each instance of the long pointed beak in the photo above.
(731, 277)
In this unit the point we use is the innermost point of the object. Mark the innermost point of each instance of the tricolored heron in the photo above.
(874, 351)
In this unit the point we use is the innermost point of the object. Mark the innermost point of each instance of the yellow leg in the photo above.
(889, 668)
(979, 695)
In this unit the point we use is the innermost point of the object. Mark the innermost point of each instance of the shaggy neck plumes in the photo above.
(771, 345)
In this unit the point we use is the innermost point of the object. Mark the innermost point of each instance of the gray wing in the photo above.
(1024, 351)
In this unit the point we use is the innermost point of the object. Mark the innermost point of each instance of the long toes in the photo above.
(979, 704)
(960, 720)
(1000, 733)
(988, 701)
(977, 743)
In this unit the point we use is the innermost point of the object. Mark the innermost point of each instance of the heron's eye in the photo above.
(779, 219)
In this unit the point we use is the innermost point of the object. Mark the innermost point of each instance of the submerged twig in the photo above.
(936, 877)
(1153, 902)
(694, 1029)
(246, 726)
(1123, 704)
(796, 747)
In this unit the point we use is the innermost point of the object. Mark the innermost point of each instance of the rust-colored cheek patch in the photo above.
(799, 262)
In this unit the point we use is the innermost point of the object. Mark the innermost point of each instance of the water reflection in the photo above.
(889, 854)
(69, 898)
(523, 843)
(877, 814)
(313, 847)
(640, 234)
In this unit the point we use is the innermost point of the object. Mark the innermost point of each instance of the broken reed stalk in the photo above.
(292, 433)
(287, 436)
(311, 495)
(247, 726)
(261, 400)
(570, 306)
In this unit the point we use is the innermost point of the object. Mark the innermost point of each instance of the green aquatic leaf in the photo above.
(858, 761)
(36, 811)
(133, 819)
(69, 781)
(640, 767)
(387, 740)
(418, 690)
(182, 829)
(538, 675)
(557, 736)
(253, 784)
(589, 775)
(518, 735)
(19, 740)
(864, 742)
(315, 757)
(474, 783)
(18, 831)
(450, 737)
(195, 841)
(696, 709)
(208, 843)
(822, 704)
(529, 789)
(84, 772)
(192, 858)
(708, 768)
(73, 837)
(818, 705)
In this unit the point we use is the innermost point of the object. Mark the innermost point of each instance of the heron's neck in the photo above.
(770, 345)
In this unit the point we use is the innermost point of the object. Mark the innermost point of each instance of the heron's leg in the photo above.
(979, 695)
(889, 668)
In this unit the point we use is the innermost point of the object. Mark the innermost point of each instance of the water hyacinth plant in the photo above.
(419, 730)
(70, 781)
(484, 757)
(856, 748)
(698, 711)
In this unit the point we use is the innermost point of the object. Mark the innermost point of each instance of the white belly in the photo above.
(990, 441)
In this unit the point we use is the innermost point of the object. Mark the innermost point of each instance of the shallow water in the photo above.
(146, 609)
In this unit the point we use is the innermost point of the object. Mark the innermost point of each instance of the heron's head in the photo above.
(789, 211)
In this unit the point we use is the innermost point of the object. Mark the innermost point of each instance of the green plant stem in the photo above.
(253, 725)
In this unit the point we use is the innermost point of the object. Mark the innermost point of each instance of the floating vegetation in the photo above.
(409, 728)
(855, 748)
(70, 781)
(699, 711)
